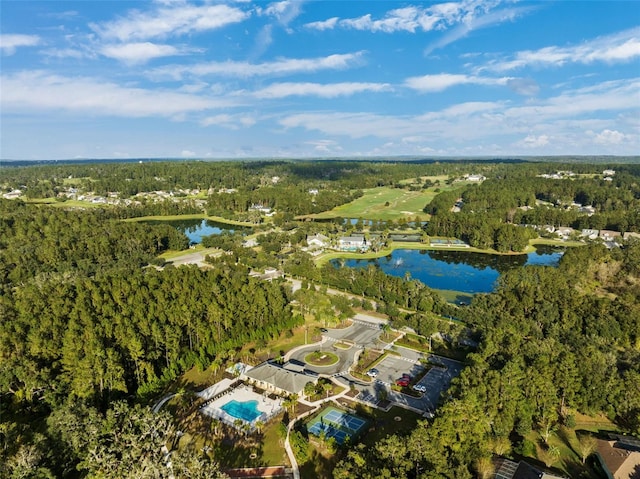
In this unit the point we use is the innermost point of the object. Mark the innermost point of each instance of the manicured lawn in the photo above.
(66, 203)
(372, 205)
(384, 423)
(218, 219)
(321, 358)
(569, 461)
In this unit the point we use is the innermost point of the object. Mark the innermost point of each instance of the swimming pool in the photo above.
(246, 410)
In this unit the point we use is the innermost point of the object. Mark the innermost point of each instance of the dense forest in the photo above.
(553, 341)
(84, 323)
(490, 210)
(93, 325)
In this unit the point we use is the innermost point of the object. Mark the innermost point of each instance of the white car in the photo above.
(420, 388)
(373, 372)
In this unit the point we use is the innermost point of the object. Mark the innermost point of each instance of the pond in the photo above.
(196, 229)
(454, 270)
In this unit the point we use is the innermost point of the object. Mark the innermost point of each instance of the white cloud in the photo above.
(564, 115)
(67, 53)
(328, 24)
(607, 96)
(331, 90)
(524, 86)
(231, 122)
(187, 154)
(284, 11)
(620, 47)
(133, 53)
(609, 137)
(285, 66)
(532, 141)
(440, 82)
(471, 13)
(9, 42)
(325, 146)
(43, 91)
(170, 19)
(471, 22)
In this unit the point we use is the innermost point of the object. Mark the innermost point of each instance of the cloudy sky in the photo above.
(119, 79)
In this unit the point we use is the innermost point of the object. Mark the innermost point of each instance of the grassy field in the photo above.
(373, 205)
(66, 204)
(218, 219)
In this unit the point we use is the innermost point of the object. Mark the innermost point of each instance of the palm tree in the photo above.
(327, 388)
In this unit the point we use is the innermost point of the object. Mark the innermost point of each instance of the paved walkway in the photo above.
(287, 447)
(258, 472)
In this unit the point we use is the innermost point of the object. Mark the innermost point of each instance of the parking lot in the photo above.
(392, 368)
(436, 380)
(408, 361)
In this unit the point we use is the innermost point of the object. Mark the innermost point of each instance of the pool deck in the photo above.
(215, 389)
(267, 406)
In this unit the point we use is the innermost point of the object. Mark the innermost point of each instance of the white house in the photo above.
(318, 240)
(352, 243)
(564, 232)
(590, 234)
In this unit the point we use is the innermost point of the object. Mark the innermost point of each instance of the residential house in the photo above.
(250, 243)
(353, 243)
(588, 210)
(564, 232)
(619, 457)
(628, 236)
(268, 275)
(590, 234)
(475, 178)
(262, 209)
(507, 469)
(609, 172)
(318, 240)
(608, 235)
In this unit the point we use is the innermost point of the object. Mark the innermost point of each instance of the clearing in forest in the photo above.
(384, 203)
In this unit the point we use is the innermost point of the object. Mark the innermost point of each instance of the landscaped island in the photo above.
(125, 347)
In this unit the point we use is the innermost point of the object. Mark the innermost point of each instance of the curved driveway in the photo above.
(360, 333)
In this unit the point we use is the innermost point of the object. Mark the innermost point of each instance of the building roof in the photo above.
(280, 377)
(620, 457)
(353, 239)
(506, 469)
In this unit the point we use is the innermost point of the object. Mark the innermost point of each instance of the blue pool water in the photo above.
(247, 411)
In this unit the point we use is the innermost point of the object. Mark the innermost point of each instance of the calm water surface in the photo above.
(196, 229)
(454, 270)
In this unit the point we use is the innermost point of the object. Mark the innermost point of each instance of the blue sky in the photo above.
(118, 79)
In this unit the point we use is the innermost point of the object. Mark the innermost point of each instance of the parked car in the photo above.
(408, 376)
(420, 388)
(403, 382)
(373, 372)
(324, 330)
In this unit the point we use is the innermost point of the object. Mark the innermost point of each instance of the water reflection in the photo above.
(455, 270)
(195, 229)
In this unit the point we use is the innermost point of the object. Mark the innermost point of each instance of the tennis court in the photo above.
(317, 428)
(334, 423)
(340, 418)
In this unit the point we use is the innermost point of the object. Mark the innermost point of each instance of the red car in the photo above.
(404, 382)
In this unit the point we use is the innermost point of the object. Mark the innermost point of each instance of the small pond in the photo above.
(197, 228)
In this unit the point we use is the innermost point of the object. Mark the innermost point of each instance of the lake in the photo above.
(454, 270)
(196, 229)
